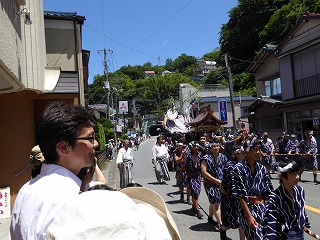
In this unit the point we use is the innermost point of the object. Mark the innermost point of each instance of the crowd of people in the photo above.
(236, 175)
(59, 201)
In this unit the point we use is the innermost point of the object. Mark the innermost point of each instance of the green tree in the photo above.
(285, 18)
(244, 83)
(169, 64)
(134, 72)
(213, 56)
(215, 77)
(183, 62)
(96, 93)
(101, 139)
(239, 37)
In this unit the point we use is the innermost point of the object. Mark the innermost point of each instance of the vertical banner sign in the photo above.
(123, 106)
(223, 111)
(5, 202)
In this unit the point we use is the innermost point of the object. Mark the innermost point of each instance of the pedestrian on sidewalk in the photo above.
(160, 158)
(66, 138)
(125, 163)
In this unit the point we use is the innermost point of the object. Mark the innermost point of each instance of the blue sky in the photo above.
(144, 30)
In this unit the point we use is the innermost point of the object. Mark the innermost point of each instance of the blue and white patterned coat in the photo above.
(249, 183)
(214, 168)
(285, 213)
(229, 202)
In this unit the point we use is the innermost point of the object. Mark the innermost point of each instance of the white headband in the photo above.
(239, 150)
(284, 169)
(249, 144)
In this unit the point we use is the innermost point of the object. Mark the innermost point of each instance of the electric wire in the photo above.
(157, 29)
(153, 32)
(120, 43)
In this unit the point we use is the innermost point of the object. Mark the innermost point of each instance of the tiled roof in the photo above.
(263, 100)
(63, 15)
(217, 99)
(260, 58)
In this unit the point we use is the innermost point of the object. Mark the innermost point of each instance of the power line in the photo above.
(122, 44)
(134, 48)
(161, 25)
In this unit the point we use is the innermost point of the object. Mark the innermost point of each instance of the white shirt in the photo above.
(124, 154)
(107, 215)
(41, 199)
(159, 151)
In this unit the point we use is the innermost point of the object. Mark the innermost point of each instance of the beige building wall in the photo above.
(22, 46)
(268, 71)
(60, 39)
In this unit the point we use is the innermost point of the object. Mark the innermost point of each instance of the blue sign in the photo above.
(223, 111)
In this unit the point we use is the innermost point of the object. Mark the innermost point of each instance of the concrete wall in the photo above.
(22, 46)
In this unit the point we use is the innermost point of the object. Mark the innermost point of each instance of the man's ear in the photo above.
(62, 148)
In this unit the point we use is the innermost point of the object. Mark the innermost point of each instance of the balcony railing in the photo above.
(307, 86)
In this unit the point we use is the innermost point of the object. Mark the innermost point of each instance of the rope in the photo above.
(316, 236)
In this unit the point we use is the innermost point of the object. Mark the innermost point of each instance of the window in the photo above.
(272, 87)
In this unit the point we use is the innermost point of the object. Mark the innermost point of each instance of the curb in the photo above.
(111, 173)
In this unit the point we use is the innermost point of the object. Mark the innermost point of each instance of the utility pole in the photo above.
(134, 111)
(106, 81)
(231, 93)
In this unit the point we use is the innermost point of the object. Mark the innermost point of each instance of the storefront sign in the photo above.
(123, 107)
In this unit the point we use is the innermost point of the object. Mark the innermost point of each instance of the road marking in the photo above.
(316, 210)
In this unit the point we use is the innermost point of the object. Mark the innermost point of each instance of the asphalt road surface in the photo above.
(189, 225)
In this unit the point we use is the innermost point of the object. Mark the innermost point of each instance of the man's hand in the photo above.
(153, 161)
(252, 222)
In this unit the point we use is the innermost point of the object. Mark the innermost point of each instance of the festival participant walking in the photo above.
(230, 144)
(267, 149)
(171, 147)
(286, 217)
(179, 155)
(284, 147)
(192, 166)
(212, 165)
(125, 163)
(308, 148)
(229, 203)
(253, 186)
(160, 158)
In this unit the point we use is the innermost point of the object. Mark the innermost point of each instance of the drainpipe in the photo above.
(79, 64)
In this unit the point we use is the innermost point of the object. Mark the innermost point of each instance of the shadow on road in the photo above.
(207, 227)
(188, 212)
(175, 193)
